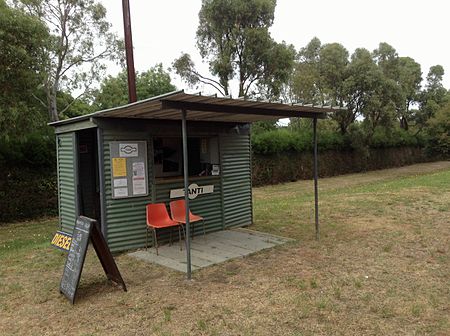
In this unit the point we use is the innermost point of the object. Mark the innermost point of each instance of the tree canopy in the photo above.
(114, 90)
(379, 87)
(80, 43)
(233, 38)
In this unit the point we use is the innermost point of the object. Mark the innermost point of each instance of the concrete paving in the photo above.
(211, 249)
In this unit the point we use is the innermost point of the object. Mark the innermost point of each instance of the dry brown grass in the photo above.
(381, 268)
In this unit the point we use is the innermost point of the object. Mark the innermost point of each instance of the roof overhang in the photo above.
(206, 108)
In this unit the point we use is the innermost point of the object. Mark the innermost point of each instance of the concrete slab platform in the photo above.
(212, 249)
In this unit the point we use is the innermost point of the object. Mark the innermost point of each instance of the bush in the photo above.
(36, 150)
(300, 140)
(28, 186)
(438, 131)
(284, 140)
(397, 137)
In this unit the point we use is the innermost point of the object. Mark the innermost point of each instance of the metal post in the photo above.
(316, 192)
(101, 180)
(186, 194)
(132, 97)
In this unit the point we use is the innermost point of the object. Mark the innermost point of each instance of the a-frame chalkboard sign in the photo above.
(85, 229)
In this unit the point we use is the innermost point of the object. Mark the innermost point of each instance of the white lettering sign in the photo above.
(193, 191)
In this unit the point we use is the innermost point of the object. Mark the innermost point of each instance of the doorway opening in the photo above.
(88, 175)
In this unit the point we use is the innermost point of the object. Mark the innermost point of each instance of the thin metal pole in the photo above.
(101, 182)
(132, 97)
(186, 194)
(316, 192)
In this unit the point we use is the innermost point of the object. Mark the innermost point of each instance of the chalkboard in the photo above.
(75, 257)
(85, 229)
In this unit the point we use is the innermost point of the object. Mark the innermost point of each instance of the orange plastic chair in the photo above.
(178, 212)
(158, 218)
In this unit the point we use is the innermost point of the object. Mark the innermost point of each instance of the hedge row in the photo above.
(284, 140)
(287, 167)
(28, 186)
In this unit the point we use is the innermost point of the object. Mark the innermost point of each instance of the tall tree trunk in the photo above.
(51, 103)
(241, 89)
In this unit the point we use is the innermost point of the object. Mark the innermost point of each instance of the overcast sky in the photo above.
(415, 28)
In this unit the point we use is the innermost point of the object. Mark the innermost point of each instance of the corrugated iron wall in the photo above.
(236, 179)
(66, 156)
(230, 205)
(125, 218)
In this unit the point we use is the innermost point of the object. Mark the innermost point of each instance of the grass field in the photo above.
(380, 268)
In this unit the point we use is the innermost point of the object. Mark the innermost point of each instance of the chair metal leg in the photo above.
(184, 235)
(179, 237)
(155, 240)
(146, 238)
(170, 241)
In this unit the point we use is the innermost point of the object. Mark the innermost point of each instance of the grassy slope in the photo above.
(381, 268)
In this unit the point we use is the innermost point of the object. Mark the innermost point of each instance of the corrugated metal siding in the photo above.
(66, 180)
(209, 206)
(236, 180)
(125, 218)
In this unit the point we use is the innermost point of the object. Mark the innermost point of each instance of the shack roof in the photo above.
(206, 108)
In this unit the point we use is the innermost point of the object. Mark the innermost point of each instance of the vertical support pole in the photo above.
(316, 192)
(132, 97)
(186, 194)
(101, 177)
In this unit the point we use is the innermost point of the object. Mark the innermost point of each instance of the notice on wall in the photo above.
(122, 182)
(119, 167)
(128, 150)
(139, 181)
(120, 192)
(129, 176)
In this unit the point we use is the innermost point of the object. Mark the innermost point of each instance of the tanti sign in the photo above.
(193, 191)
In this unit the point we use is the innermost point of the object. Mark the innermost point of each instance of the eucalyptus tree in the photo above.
(233, 38)
(409, 79)
(81, 42)
(407, 75)
(433, 97)
(305, 83)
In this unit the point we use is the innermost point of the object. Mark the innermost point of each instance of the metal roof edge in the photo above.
(98, 113)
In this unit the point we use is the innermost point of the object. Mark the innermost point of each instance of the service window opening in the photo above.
(203, 153)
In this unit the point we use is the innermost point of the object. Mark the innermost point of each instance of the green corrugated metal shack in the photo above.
(112, 163)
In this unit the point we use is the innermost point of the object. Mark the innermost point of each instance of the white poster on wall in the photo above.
(122, 182)
(139, 182)
(120, 192)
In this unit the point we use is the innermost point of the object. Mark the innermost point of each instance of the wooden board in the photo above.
(75, 257)
(85, 229)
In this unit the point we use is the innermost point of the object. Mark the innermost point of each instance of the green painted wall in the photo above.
(66, 167)
(125, 218)
(228, 206)
(236, 180)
